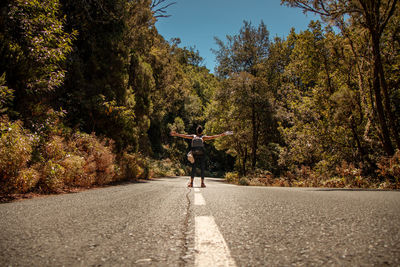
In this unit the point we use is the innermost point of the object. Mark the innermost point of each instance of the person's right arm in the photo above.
(187, 136)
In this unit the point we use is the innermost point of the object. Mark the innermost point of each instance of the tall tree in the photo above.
(373, 16)
(242, 57)
(34, 46)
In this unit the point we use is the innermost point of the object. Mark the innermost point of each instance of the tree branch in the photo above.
(386, 20)
(158, 7)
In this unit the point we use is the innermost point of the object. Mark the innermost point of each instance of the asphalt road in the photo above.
(163, 223)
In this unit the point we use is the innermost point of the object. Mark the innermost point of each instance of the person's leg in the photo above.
(202, 166)
(193, 173)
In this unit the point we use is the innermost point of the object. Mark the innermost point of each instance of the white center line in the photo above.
(210, 246)
(199, 199)
(197, 190)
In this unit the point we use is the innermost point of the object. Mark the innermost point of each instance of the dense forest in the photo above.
(89, 92)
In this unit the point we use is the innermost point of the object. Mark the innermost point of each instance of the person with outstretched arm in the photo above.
(198, 151)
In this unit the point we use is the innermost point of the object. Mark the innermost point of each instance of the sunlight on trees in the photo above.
(96, 81)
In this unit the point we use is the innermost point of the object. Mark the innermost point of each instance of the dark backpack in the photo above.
(197, 145)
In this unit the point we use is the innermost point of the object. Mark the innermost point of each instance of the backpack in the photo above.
(197, 145)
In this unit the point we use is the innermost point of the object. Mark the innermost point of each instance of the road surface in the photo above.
(163, 223)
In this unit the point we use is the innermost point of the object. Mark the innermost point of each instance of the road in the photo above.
(163, 223)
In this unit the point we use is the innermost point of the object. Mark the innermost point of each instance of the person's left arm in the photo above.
(187, 136)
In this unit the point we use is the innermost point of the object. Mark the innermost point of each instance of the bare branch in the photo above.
(158, 7)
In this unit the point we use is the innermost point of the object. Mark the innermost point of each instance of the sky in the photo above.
(197, 22)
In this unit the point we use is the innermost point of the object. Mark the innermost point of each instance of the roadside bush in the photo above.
(335, 182)
(258, 182)
(99, 159)
(389, 168)
(307, 177)
(15, 152)
(74, 171)
(266, 178)
(323, 170)
(165, 167)
(52, 178)
(130, 168)
(26, 180)
(105, 167)
(232, 177)
(349, 172)
(55, 148)
(244, 181)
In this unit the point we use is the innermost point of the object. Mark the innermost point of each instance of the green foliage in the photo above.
(317, 108)
(6, 95)
(34, 48)
(74, 171)
(232, 177)
(54, 148)
(26, 180)
(99, 158)
(243, 103)
(166, 167)
(131, 167)
(389, 168)
(176, 149)
(52, 177)
(38, 43)
(244, 181)
(15, 152)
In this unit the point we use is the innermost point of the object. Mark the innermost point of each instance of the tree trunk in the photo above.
(393, 122)
(387, 144)
(255, 137)
(328, 77)
(357, 139)
(244, 162)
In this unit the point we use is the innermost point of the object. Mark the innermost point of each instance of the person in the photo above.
(197, 149)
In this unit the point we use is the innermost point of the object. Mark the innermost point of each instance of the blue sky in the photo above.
(197, 22)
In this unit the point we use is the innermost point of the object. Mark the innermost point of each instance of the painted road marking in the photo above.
(197, 190)
(199, 199)
(210, 245)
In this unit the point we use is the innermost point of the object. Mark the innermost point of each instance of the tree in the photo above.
(241, 60)
(107, 86)
(34, 47)
(373, 16)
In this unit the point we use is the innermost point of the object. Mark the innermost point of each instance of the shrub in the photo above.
(55, 148)
(389, 185)
(351, 176)
(348, 171)
(26, 180)
(105, 167)
(244, 181)
(52, 178)
(264, 177)
(74, 170)
(15, 152)
(165, 167)
(335, 182)
(130, 169)
(323, 169)
(389, 168)
(232, 177)
(15, 148)
(258, 181)
(280, 182)
(308, 177)
(99, 158)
